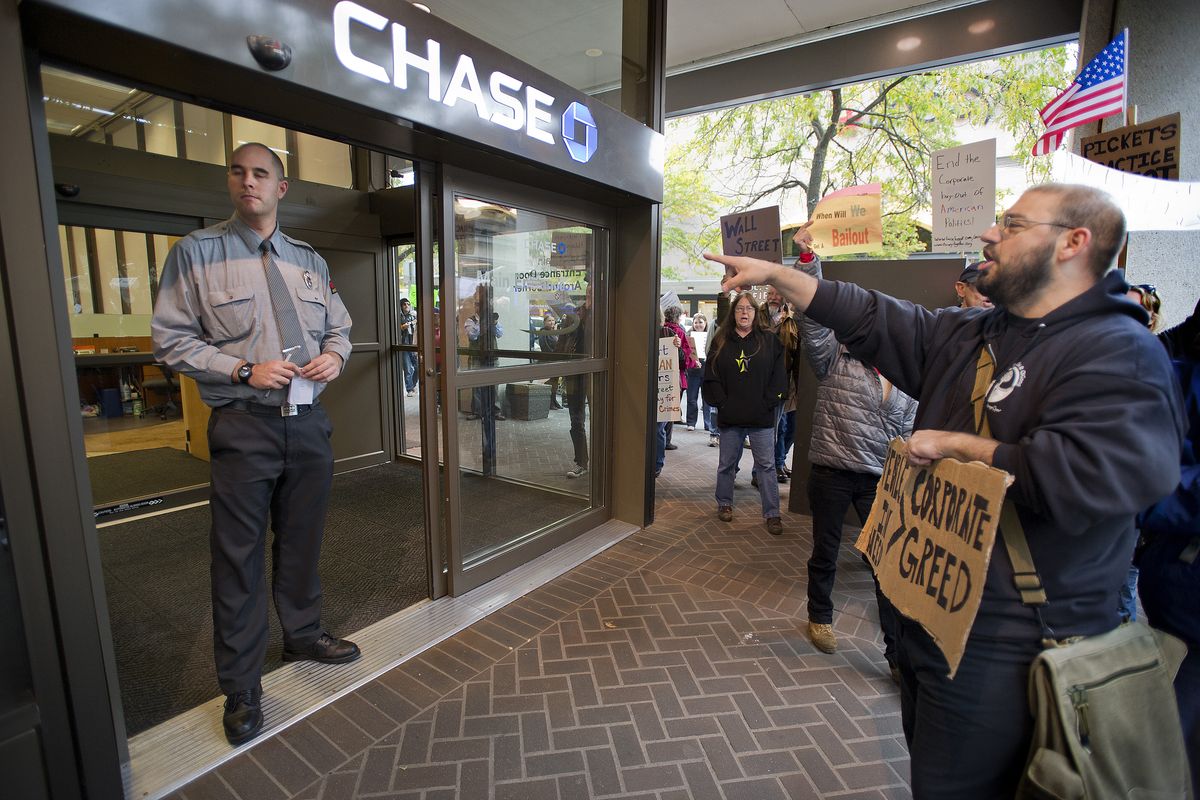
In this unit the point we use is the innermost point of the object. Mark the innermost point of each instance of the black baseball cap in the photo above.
(970, 273)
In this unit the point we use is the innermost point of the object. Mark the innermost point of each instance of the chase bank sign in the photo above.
(506, 102)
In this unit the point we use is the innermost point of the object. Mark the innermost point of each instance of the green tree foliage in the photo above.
(806, 146)
(695, 209)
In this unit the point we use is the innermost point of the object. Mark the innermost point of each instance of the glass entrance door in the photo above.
(525, 330)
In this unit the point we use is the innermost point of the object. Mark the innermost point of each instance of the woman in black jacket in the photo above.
(744, 379)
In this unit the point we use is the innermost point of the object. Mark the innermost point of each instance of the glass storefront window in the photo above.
(110, 279)
(323, 161)
(524, 284)
(250, 130)
(157, 118)
(519, 458)
(107, 113)
(204, 134)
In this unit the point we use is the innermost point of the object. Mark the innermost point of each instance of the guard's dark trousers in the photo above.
(265, 467)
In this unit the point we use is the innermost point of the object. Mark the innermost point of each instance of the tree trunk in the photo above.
(816, 172)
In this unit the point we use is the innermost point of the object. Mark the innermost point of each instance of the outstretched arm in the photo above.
(742, 272)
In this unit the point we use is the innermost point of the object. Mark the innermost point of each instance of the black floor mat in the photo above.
(138, 473)
(373, 564)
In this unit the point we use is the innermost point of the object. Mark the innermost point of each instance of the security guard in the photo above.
(252, 315)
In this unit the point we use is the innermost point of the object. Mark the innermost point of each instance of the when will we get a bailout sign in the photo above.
(929, 539)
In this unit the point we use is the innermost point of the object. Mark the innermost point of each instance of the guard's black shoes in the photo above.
(325, 649)
(243, 715)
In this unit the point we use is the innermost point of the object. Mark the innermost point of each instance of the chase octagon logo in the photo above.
(579, 132)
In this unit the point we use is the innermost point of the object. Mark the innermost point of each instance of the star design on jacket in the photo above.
(743, 361)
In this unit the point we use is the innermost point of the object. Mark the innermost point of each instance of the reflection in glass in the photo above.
(513, 269)
(407, 367)
(107, 113)
(519, 460)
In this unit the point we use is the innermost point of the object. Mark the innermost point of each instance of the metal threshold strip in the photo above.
(181, 749)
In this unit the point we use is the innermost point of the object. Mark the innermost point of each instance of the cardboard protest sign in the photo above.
(753, 233)
(848, 221)
(669, 300)
(1149, 204)
(668, 380)
(1149, 148)
(929, 539)
(964, 196)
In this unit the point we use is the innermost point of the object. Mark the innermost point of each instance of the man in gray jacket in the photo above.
(857, 413)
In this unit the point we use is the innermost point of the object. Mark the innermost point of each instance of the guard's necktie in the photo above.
(290, 332)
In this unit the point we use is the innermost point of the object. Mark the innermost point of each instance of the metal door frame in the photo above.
(464, 577)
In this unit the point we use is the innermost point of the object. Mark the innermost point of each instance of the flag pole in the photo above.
(1130, 112)
(1130, 119)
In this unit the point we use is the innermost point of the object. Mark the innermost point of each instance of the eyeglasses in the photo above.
(1014, 226)
(1146, 288)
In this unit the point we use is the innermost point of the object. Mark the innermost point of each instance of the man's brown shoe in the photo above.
(725, 513)
(775, 526)
(822, 637)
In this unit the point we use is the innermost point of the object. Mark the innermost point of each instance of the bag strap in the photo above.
(1025, 574)
(985, 367)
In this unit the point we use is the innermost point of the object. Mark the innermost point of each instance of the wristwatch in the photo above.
(244, 372)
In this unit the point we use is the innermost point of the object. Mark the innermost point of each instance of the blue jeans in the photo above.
(762, 447)
(786, 436)
(710, 414)
(774, 441)
(660, 447)
(695, 377)
(1128, 595)
(410, 371)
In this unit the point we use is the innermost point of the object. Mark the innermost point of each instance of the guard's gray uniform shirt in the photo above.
(214, 309)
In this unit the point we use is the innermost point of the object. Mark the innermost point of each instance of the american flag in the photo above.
(1098, 91)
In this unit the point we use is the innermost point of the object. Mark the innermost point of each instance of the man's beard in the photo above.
(1018, 280)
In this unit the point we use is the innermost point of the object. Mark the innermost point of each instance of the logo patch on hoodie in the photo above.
(743, 361)
(1013, 377)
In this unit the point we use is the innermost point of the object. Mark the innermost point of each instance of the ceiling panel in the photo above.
(699, 29)
(817, 16)
(555, 35)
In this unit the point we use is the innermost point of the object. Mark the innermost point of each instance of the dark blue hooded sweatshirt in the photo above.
(1088, 413)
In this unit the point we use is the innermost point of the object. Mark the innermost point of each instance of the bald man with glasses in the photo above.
(1083, 412)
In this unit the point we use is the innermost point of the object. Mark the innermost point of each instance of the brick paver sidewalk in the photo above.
(671, 666)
